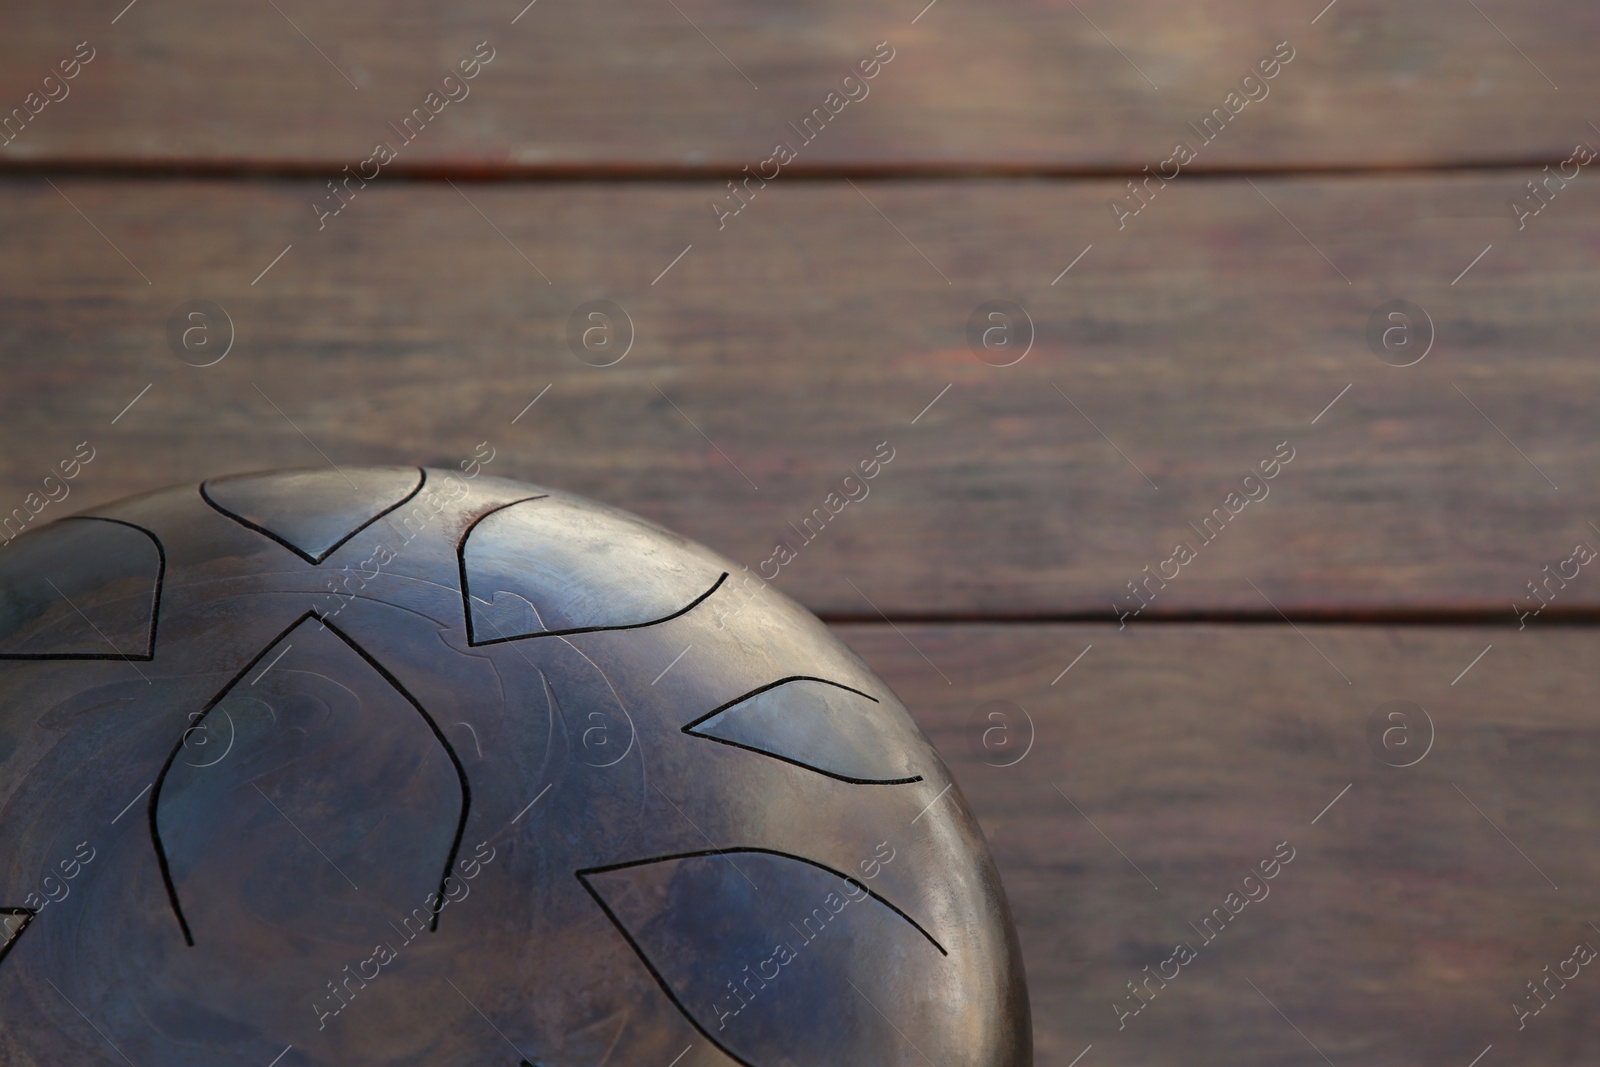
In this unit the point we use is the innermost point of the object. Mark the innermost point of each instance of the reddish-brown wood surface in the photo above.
(636, 87)
(776, 349)
(808, 332)
(1415, 909)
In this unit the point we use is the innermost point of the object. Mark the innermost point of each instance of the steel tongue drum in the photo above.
(396, 767)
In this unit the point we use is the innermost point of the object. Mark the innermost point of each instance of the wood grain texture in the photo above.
(606, 85)
(784, 350)
(1406, 924)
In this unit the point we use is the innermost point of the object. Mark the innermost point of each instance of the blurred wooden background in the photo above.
(1171, 353)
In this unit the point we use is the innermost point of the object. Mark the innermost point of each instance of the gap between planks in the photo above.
(490, 171)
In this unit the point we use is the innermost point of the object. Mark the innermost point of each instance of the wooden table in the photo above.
(1180, 332)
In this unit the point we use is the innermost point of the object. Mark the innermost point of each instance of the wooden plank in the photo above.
(786, 349)
(1419, 900)
(609, 86)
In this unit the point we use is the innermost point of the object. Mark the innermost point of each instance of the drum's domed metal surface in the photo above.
(392, 767)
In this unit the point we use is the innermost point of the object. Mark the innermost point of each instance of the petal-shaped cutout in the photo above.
(312, 772)
(814, 723)
(12, 922)
(775, 958)
(81, 588)
(546, 566)
(312, 512)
